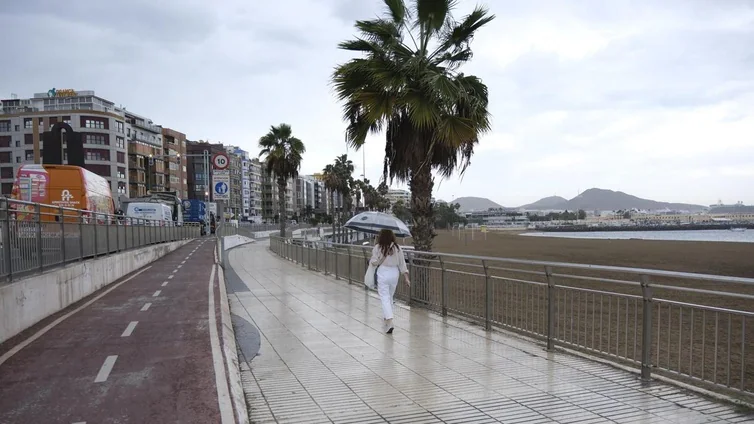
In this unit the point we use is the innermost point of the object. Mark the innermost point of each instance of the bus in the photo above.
(64, 186)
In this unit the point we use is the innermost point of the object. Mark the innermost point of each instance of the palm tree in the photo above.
(408, 83)
(282, 155)
(332, 182)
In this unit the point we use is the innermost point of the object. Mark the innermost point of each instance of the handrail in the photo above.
(699, 335)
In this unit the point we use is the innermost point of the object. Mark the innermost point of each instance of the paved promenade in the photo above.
(141, 353)
(322, 358)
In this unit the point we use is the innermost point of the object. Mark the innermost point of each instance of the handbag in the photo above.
(370, 277)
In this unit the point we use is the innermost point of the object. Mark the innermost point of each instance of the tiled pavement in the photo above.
(324, 359)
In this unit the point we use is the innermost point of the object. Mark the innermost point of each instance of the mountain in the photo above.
(552, 202)
(608, 200)
(469, 204)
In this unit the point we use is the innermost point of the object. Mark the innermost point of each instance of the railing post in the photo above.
(335, 252)
(646, 331)
(62, 235)
(443, 288)
(550, 308)
(117, 234)
(107, 234)
(487, 297)
(366, 262)
(350, 279)
(316, 256)
(94, 220)
(81, 235)
(40, 254)
(7, 248)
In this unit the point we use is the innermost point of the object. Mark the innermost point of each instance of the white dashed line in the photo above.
(174, 271)
(80, 422)
(170, 277)
(179, 266)
(164, 283)
(130, 329)
(104, 372)
(183, 262)
(157, 293)
(145, 307)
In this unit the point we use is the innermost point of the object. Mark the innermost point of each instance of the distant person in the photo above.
(388, 258)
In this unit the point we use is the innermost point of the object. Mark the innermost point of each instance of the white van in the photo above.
(153, 211)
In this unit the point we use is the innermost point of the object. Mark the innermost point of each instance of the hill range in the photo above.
(589, 200)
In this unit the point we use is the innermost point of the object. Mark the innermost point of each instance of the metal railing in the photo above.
(36, 237)
(688, 327)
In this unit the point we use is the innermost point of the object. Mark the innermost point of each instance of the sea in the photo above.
(679, 235)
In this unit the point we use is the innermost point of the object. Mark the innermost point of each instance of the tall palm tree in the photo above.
(344, 167)
(408, 83)
(282, 155)
(332, 182)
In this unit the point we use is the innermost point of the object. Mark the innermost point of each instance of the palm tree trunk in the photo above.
(332, 214)
(421, 208)
(282, 185)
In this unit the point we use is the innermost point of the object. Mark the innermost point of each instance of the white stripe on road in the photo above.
(130, 329)
(41, 332)
(145, 307)
(179, 266)
(174, 271)
(221, 381)
(165, 283)
(170, 277)
(104, 372)
(157, 293)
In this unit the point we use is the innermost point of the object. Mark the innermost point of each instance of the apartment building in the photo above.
(102, 125)
(270, 204)
(198, 187)
(395, 195)
(174, 148)
(255, 183)
(146, 156)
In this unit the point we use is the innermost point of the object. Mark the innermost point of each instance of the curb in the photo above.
(230, 352)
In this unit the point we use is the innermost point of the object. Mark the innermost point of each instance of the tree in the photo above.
(282, 155)
(402, 212)
(408, 83)
(331, 180)
(582, 214)
(446, 215)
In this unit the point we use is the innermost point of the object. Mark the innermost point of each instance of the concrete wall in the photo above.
(24, 303)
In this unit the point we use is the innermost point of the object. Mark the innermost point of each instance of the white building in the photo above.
(394, 195)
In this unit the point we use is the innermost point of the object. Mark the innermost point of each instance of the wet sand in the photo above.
(719, 258)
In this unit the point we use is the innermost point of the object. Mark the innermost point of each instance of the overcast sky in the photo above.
(654, 98)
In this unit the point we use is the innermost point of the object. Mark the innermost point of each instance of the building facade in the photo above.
(146, 156)
(174, 148)
(102, 125)
(198, 187)
(255, 181)
(395, 195)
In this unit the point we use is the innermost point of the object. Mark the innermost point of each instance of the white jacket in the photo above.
(394, 259)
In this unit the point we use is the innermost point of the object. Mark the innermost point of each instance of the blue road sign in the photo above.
(221, 188)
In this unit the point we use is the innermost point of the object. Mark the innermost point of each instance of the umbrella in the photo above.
(373, 222)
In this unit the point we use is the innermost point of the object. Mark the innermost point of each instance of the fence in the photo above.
(36, 237)
(688, 327)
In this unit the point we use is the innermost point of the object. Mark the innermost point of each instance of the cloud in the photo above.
(651, 98)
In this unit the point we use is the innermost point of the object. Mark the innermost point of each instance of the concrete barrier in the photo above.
(25, 302)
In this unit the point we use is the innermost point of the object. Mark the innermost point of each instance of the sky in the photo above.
(652, 98)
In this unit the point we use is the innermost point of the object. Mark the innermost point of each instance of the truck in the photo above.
(196, 211)
(168, 198)
(64, 186)
(155, 212)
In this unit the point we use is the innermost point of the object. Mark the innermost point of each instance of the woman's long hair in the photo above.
(386, 240)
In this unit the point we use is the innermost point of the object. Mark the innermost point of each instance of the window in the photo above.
(96, 154)
(18, 159)
(67, 120)
(4, 126)
(121, 157)
(91, 123)
(17, 128)
(120, 126)
(5, 141)
(5, 157)
(29, 155)
(27, 123)
(120, 142)
(96, 139)
(122, 173)
(7, 189)
(28, 138)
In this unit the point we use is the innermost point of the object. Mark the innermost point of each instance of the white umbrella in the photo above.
(373, 222)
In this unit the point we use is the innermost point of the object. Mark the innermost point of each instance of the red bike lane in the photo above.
(140, 354)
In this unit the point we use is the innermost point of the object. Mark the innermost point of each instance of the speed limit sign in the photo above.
(220, 161)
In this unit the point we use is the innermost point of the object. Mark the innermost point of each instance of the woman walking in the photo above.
(388, 257)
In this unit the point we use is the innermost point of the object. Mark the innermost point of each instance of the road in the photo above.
(140, 353)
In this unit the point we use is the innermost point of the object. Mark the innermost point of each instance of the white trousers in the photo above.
(387, 282)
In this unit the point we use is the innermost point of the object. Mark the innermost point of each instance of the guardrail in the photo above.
(37, 237)
(687, 327)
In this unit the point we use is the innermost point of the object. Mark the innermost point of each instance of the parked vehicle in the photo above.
(156, 213)
(64, 186)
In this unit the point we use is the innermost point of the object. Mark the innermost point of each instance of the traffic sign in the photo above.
(220, 161)
(220, 186)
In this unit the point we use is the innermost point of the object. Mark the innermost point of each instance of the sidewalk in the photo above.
(142, 353)
(324, 359)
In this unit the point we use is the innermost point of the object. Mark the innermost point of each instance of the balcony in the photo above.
(147, 126)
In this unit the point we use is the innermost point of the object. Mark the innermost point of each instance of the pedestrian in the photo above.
(388, 258)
